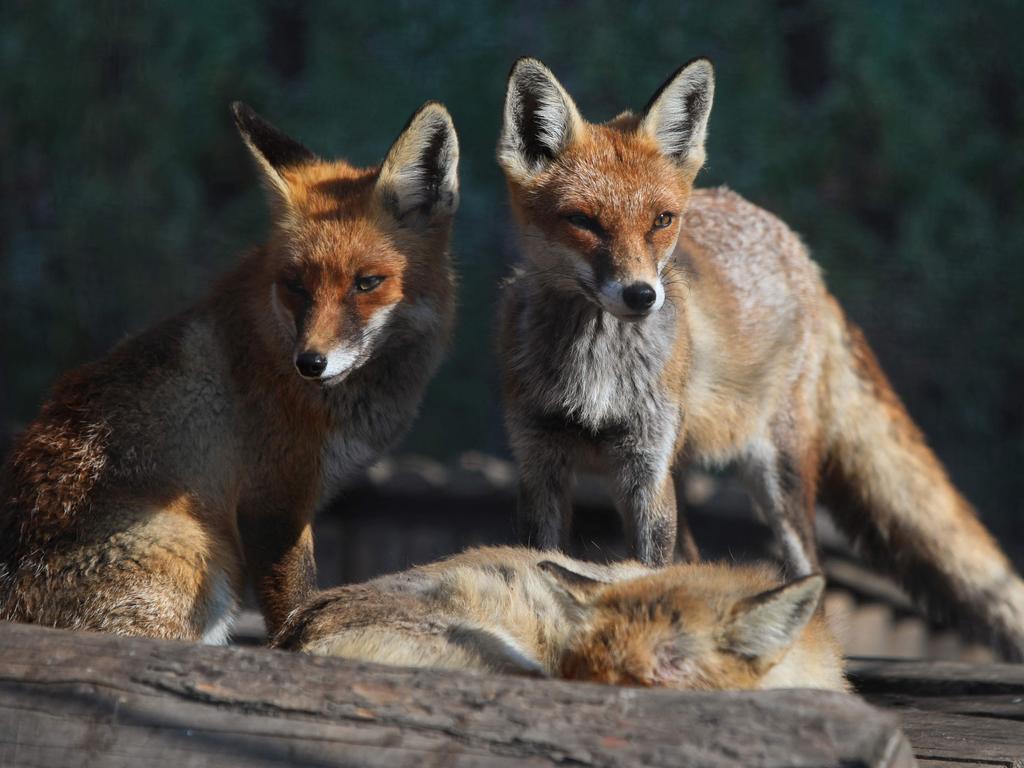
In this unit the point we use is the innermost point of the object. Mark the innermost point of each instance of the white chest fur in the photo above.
(593, 368)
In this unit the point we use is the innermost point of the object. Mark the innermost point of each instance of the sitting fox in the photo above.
(652, 324)
(521, 611)
(156, 479)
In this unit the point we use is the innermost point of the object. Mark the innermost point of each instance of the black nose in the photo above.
(639, 296)
(311, 364)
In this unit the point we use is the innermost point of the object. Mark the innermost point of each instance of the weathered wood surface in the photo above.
(78, 699)
(954, 713)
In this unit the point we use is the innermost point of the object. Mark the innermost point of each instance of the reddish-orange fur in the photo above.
(676, 629)
(154, 480)
(502, 609)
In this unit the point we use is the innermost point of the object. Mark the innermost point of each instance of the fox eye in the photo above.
(582, 221)
(368, 283)
(663, 220)
(294, 285)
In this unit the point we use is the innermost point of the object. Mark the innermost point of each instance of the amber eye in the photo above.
(368, 283)
(663, 220)
(294, 285)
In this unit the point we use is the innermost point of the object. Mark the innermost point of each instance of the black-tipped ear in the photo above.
(273, 150)
(767, 623)
(677, 115)
(419, 179)
(577, 586)
(540, 119)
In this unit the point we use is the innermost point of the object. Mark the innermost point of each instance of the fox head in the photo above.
(354, 251)
(685, 627)
(600, 206)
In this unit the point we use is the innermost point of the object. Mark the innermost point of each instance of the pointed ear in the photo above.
(540, 119)
(273, 150)
(767, 623)
(419, 179)
(677, 115)
(577, 587)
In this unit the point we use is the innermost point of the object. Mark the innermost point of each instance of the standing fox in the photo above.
(520, 611)
(157, 478)
(653, 324)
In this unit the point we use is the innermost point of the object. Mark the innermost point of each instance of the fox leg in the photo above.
(686, 545)
(645, 492)
(278, 545)
(782, 480)
(685, 542)
(544, 510)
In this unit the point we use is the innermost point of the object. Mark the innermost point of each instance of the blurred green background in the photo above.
(889, 134)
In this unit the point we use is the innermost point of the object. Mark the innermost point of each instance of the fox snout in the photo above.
(330, 366)
(311, 365)
(633, 300)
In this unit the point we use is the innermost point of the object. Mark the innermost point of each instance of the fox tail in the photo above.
(891, 495)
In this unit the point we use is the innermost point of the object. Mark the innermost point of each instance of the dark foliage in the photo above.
(891, 135)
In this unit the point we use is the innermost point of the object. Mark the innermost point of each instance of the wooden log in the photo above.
(954, 713)
(80, 699)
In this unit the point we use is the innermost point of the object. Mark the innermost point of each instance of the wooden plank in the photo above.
(1004, 707)
(954, 713)
(936, 677)
(955, 688)
(957, 737)
(77, 699)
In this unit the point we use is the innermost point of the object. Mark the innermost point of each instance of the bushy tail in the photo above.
(888, 491)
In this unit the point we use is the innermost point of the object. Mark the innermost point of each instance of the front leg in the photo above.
(278, 545)
(544, 510)
(645, 493)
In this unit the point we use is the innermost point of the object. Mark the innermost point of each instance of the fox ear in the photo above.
(419, 177)
(677, 115)
(767, 623)
(540, 119)
(273, 150)
(575, 586)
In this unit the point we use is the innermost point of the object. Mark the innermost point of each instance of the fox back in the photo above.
(520, 611)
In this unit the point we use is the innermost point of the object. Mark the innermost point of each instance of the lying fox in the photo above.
(157, 478)
(521, 611)
(652, 324)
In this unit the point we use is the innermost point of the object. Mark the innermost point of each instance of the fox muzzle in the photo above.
(310, 365)
(632, 301)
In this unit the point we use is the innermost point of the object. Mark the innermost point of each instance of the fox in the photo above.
(519, 611)
(159, 480)
(651, 325)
